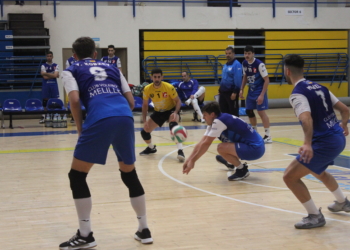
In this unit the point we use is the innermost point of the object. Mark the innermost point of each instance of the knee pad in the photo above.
(172, 124)
(250, 113)
(78, 184)
(146, 136)
(131, 180)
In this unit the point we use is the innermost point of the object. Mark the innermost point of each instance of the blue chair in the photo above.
(11, 106)
(138, 103)
(34, 105)
(55, 104)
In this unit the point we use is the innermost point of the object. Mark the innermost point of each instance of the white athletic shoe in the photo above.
(188, 102)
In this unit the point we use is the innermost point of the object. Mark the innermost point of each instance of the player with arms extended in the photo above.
(324, 140)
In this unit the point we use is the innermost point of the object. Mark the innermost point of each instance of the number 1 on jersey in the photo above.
(321, 94)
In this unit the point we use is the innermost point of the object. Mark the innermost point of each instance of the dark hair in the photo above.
(111, 46)
(84, 47)
(212, 107)
(156, 71)
(230, 48)
(49, 53)
(249, 48)
(295, 63)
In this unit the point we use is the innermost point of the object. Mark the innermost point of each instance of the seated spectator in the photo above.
(191, 94)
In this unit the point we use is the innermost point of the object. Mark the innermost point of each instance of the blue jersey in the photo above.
(70, 61)
(186, 89)
(230, 128)
(320, 103)
(49, 68)
(111, 60)
(255, 73)
(231, 77)
(100, 90)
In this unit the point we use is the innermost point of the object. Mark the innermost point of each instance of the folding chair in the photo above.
(34, 105)
(11, 106)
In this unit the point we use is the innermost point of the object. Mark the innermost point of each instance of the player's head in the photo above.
(249, 53)
(185, 76)
(157, 76)
(84, 47)
(293, 67)
(111, 50)
(49, 56)
(210, 111)
(230, 53)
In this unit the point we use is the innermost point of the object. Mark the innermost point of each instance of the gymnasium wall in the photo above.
(116, 24)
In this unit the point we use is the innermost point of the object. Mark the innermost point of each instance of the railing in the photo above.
(229, 3)
(21, 72)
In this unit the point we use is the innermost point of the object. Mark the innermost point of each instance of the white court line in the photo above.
(160, 167)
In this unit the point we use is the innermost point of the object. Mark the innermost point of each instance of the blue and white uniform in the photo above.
(231, 80)
(186, 89)
(255, 73)
(109, 120)
(229, 128)
(70, 61)
(112, 60)
(49, 86)
(328, 140)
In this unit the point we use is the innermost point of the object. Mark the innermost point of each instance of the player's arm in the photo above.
(119, 65)
(344, 112)
(237, 78)
(50, 75)
(144, 109)
(195, 87)
(127, 92)
(265, 76)
(198, 151)
(244, 82)
(177, 109)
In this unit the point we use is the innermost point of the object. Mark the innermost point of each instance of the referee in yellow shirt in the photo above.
(167, 106)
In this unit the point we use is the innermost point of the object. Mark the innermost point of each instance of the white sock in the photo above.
(240, 166)
(179, 145)
(200, 91)
(150, 145)
(255, 128)
(197, 108)
(311, 207)
(267, 131)
(139, 206)
(339, 196)
(84, 207)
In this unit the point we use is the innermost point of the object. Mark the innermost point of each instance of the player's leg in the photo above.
(180, 153)
(126, 157)
(152, 123)
(197, 109)
(292, 177)
(265, 119)
(224, 102)
(45, 92)
(200, 94)
(250, 106)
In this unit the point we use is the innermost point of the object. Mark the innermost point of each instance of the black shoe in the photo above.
(79, 242)
(72, 120)
(144, 236)
(240, 174)
(221, 160)
(195, 117)
(42, 120)
(180, 155)
(149, 150)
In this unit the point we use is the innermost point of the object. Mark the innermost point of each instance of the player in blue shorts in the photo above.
(324, 140)
(107, 98)
(238, 141)
(50, 73)
(255, 75)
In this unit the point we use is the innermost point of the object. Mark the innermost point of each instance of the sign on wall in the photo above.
(294, 12)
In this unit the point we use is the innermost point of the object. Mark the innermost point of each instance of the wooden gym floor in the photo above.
(202, 210)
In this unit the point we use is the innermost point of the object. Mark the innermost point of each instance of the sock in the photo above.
(311, 207)
(255, 128)
(139, 206)
(267, 131)
(179, 146)
(200, 91)
(240, 166)
(196, 108)
(83, 207)
(339, 196)
(150, 145)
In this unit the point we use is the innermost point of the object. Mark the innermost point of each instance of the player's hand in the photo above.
(260, 100)
(233, 96)
(173, 117)
(187, 167)
(306, 153)
(241, 94)
(345, 128)
(192, 96)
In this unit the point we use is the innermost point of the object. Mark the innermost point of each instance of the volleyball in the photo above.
(178, 134)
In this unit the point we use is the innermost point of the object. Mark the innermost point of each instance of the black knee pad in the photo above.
(78, 184)
(172, 124)
(146, 136)
(131, 180)
(250, 113)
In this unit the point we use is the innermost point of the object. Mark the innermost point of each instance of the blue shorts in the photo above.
(50, 91)
(251, 103)
(249, 152)
(94, 142)
(325, 151)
